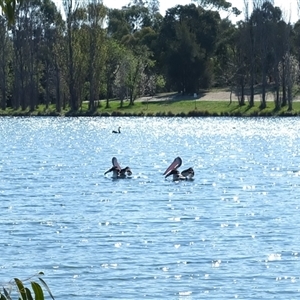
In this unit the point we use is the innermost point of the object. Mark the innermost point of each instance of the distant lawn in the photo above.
(194, 108)
(165, 108)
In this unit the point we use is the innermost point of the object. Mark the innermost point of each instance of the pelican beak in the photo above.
(174, 165)
(116, 164)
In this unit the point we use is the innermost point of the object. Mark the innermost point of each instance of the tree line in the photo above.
(87, 51)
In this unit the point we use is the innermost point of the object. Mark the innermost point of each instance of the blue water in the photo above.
(232, 233)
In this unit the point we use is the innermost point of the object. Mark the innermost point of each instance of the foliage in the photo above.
(8, 8)
(24, 292)
(48, 58)
(188, 37)
(218, 4)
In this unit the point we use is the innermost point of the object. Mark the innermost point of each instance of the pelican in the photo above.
(187, 174)
(119, 131)
(118, 172)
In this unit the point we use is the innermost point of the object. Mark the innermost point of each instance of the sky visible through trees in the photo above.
(288, 7)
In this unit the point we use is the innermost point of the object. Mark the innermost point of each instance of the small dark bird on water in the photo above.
(119, 131)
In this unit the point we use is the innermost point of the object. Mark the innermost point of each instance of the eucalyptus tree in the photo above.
(280, 46)
(139, 72)
(289, 72)
(131, 73)
(231, 66)
(280, 50)
(5, 62)
(225, 49)
(147, 37)
(55, 57)
(118, 25)
(26, 33)
(71, 8)
(250, 50)
(187, 42)
(119, 88)
(296, 38)
(265, 18)
(51, 36)
(132, 27)
(218, 5)
(96, 14)
(241, 64)
(8, 8)
(152, 10)
(153, 7)
(127, 21)
(81, 55)
(114, 54)
(19, 40)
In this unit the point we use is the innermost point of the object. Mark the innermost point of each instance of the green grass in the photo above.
(165, 108)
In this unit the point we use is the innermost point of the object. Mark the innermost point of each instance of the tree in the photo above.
(264, 18)
(130, 73)
(9, 7)
(5, 62)
(26, 40)
(71, 8)
(153, 6)
(187, 42)
(118, 26)
(249, 46)
(289, 72)
(280, 42)
(96, 14)
(113, 61)
(51, 54)
(218, 5)
(231, 67)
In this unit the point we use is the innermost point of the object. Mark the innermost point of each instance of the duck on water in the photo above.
(117, 131)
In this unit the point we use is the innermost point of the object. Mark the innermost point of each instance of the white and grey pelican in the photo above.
(119, 130)
(118, 172)
(187, 174)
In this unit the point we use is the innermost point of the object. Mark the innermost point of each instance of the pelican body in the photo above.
(118, 172)
(187, 174)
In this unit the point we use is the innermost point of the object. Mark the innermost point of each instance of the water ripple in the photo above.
(230, 233)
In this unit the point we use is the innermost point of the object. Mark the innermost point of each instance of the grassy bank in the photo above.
(182, 108)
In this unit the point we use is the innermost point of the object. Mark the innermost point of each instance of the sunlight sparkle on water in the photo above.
(236, 220)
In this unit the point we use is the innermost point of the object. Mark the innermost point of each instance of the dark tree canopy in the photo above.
(187, 39)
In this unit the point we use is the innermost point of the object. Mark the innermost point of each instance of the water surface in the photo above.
(231, 233)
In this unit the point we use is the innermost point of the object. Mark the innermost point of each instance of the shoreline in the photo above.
(192, 114)
(207, 104)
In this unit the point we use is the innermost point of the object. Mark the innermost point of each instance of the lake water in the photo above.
(232, 233)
